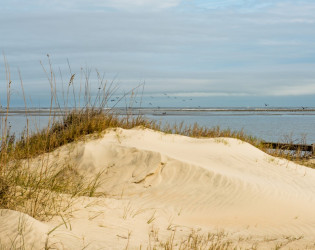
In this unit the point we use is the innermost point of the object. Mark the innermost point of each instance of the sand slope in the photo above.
(155, 184)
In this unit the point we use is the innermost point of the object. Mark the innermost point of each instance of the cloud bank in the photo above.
(87, 5)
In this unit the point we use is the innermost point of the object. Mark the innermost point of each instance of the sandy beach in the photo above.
(164, 191)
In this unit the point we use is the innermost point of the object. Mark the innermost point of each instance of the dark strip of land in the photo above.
(289, 146)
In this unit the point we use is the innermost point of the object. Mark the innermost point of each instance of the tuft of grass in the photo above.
(196, 241)
(44, 192)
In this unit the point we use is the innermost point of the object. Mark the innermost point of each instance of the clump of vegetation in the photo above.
(211, 241)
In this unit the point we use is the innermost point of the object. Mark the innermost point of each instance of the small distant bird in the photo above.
(266, 105)
(303, 108)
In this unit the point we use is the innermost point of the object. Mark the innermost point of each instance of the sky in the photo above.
(217, 53)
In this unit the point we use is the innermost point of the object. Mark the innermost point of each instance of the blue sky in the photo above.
(234, 49)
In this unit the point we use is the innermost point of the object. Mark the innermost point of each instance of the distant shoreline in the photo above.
(152, 111)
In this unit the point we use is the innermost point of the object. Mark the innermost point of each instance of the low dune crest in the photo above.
(157, 189)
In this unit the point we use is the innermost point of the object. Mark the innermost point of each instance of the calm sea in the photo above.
(270, 124)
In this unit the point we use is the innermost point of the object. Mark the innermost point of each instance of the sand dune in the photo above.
(154, 184)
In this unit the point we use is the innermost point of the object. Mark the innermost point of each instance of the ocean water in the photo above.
(270, 124)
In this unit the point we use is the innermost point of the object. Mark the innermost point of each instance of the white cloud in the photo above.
(86, 5)
(280, 43)
(147, 4)
(296, 90)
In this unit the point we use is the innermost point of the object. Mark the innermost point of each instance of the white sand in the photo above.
(157, 184)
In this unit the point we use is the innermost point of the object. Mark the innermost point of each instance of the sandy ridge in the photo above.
(204, 184)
